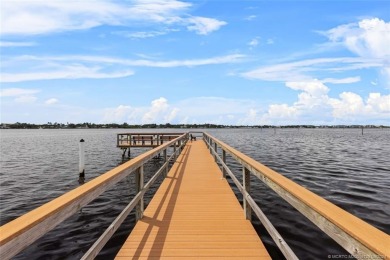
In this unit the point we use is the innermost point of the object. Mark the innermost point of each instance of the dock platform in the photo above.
(194, 214)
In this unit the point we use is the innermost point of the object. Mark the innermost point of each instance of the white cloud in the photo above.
(303, 70)
(312, 101)
(74, 67)
(15, 92)
(250, 17)
(251, 117)
(254, 42)
(204, 25)
(281, 111)
(159, 111)
(352, 106)
(367, 38)
(172, 115)
(315, 87)
(16, 44)
(51, 101)
(119, 114)
(158, 107)
(141, 35)
(64, 72)
(25, 99)
(58, 16)
(341, 81)
(193, 110)
(20, 95)
(315, 105)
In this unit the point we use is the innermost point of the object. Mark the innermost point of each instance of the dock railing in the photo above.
(23, 231)
(359, 238)
(144, 139)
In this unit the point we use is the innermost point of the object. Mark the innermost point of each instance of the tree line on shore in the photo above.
(55, 125)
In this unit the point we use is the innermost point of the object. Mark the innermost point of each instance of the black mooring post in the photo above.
(81, 161)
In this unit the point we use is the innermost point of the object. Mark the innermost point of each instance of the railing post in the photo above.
(174, 151)
(139, 182)
(166, 160)
(215, 149)
(224, 161)
(210, 146)
(246, 179)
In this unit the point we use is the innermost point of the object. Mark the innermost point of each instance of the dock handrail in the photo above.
(359, 238)
(154, 139)
(23, 231)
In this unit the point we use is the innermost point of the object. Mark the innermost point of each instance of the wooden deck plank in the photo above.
(194, 214)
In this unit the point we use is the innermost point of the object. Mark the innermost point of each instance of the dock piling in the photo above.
(82, 159)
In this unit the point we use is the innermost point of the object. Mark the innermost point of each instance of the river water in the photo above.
(345, 167)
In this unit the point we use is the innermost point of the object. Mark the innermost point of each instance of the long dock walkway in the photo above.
(194, 214)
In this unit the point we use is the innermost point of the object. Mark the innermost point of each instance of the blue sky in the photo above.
(170, 61)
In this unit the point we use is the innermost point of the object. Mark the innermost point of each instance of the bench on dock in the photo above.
(194, 209)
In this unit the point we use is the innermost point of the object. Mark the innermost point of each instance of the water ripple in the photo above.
(341, 165)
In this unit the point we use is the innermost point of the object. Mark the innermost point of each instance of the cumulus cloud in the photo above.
(352, 106)
(193, 110)
(314, 105)
(159, 111)
(158, 107)
(120, 114)
(58, 16)
(172, 115)
(367, 38)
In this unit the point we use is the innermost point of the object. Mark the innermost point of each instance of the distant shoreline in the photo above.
(162, 126)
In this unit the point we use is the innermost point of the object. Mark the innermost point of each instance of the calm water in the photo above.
(345, 167)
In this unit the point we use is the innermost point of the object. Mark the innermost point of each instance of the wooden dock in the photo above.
(194, 214)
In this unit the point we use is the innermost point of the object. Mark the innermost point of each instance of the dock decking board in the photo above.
(194, 214)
